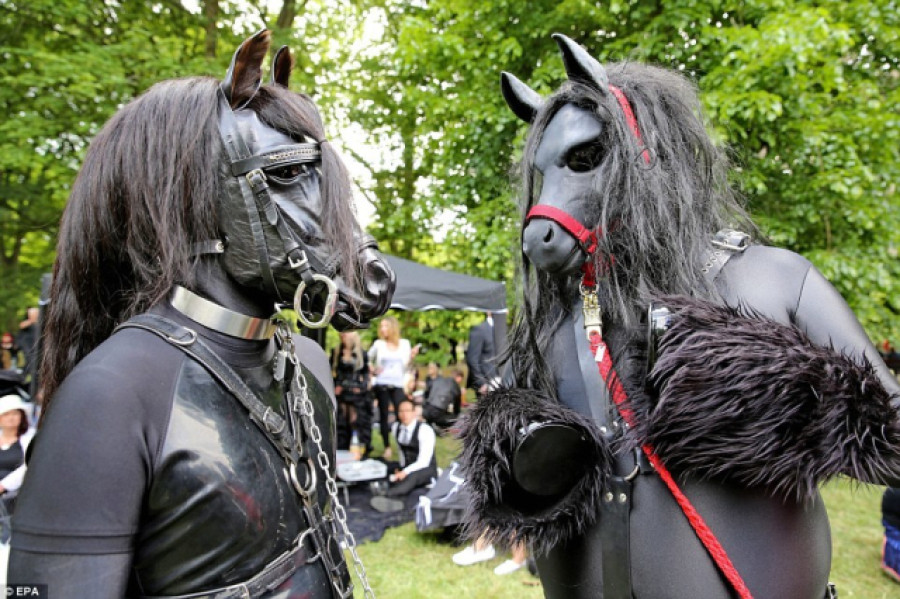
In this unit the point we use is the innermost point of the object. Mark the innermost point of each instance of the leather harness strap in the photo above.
(704, 533)
(269, 578)
(273, 426)
(279, 433)
(615, 538)
(726, 243)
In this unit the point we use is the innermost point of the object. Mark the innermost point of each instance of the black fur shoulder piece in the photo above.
(492, 432)
(743, 398)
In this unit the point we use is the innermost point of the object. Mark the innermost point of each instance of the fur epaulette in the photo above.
(747, 399)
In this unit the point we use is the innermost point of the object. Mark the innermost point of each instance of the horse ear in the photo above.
(522, 100)
(580, 65)
(244, 76)
(281, 66)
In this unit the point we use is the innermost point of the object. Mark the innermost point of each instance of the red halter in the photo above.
(587, 238)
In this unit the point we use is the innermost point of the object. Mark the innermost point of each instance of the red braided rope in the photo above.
(702, 530)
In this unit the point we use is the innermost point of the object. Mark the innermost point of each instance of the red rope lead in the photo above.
(702, 530)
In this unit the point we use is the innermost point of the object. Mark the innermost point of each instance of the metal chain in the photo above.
(307, 412)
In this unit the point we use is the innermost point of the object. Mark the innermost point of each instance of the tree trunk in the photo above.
(286, 15)
(211, 14)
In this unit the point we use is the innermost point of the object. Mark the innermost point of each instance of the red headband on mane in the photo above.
(629, 118)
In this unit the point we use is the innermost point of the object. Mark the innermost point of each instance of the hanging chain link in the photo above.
(302, 405)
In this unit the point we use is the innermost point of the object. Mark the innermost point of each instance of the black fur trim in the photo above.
(502, 510)
(747, 399)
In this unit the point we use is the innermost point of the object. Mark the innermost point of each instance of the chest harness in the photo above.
(615, 504)
(295, 435)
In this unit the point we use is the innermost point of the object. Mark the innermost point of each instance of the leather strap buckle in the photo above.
(730, 239)
(257, 180)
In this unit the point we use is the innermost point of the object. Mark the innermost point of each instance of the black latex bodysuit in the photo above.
(148, 477)
(781, 549)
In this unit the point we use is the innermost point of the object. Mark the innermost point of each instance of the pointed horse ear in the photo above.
(244, 76)
(522, 100)
(580, 65)
(281, 66)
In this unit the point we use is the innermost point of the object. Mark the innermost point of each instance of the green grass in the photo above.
(413, 565)
(856, 534)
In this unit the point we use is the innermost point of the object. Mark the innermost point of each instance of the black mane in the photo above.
(147, 190)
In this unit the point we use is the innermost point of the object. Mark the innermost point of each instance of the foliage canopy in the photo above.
(803, 92)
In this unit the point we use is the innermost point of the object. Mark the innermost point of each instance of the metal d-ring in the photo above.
(330, 303)
(633, 473)
(311, 479)
(185, 341)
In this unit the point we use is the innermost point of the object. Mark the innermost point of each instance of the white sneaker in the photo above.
(508, 567)
(469, 556)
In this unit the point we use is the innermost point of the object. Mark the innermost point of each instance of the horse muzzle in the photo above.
(356, 308)
(551, 248)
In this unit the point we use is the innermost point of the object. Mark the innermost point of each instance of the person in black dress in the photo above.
(350, 365)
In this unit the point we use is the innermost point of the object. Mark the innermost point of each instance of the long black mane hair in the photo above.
(148, 189)
(658, 215)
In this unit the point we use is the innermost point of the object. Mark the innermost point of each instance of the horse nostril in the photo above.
(548, 236)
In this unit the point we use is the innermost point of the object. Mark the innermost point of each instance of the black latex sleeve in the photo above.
(70, 576)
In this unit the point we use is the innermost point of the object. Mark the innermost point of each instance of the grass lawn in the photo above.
(412, 565)
(856, 534)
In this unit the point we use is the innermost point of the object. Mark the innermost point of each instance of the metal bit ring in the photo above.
(330, 303)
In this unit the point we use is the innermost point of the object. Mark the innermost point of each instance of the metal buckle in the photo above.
(590, 307)
(730, 239)
(256, 178)
(271, 428)
(191, 337)
(633, 474)
(303, 261)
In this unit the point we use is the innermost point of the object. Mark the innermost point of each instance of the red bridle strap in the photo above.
(586, 238)
(630, 119)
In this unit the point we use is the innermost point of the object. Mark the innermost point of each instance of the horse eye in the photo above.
(585, 158)
(286, 173)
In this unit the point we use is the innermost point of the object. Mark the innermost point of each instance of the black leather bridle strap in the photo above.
(615, 538)
(725, 244)
(293, 154)
(237, 150)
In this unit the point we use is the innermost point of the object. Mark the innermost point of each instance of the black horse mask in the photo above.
(272, 210)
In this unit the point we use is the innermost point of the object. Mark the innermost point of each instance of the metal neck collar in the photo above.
(221, 319)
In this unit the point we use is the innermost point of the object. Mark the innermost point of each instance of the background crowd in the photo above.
(414, 405)
(17, 410)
